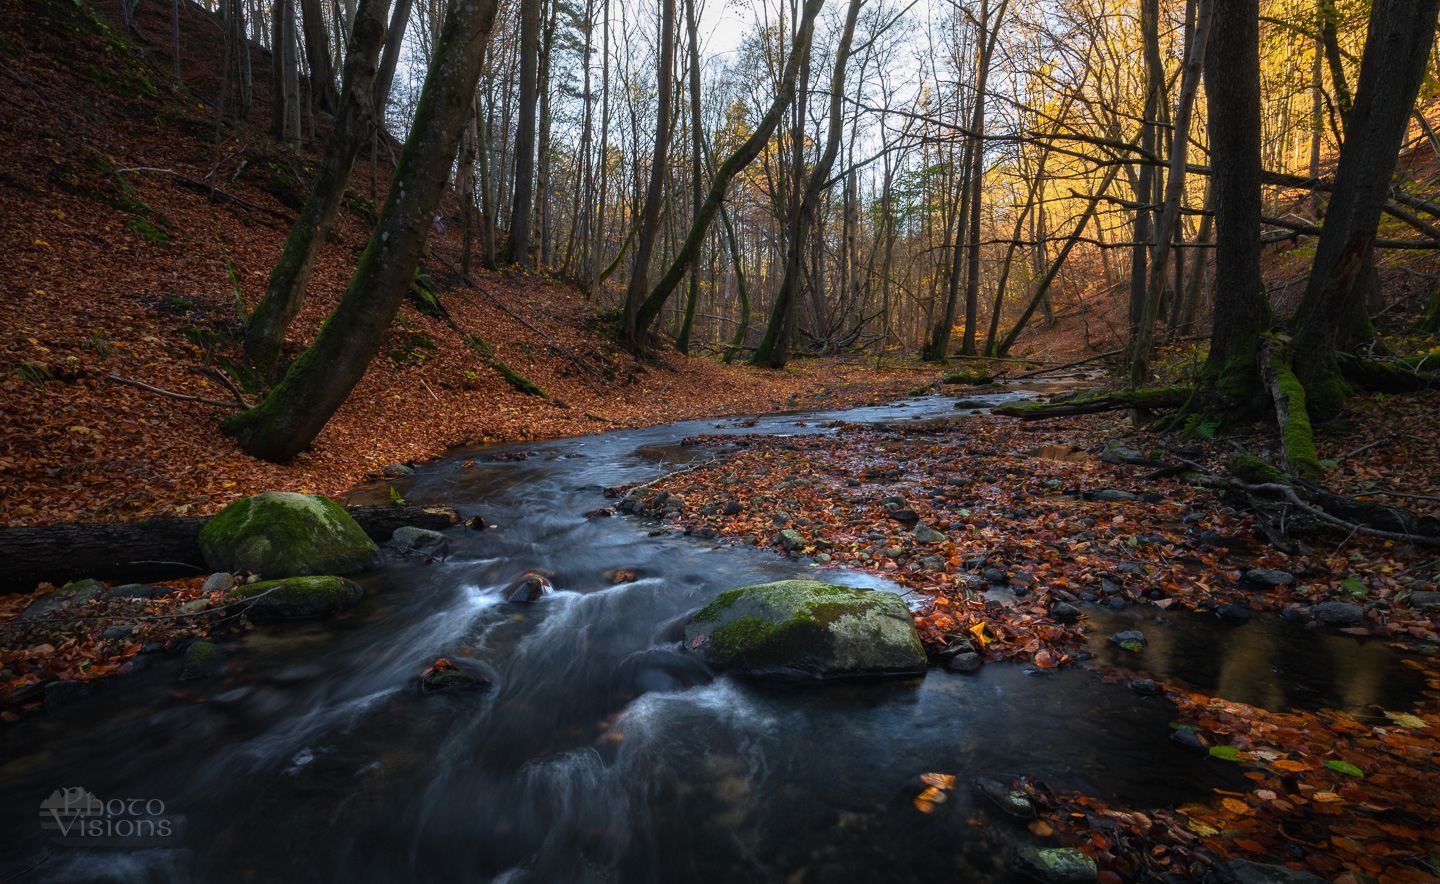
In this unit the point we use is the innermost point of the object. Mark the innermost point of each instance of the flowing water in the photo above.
(602, 751)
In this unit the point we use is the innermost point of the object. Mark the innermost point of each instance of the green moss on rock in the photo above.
(809, 628)
(296, 598)
(283, 534)
(202, 660)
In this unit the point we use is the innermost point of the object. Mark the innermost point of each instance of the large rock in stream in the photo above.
(295, 598)
(805, 627)
(283, 534)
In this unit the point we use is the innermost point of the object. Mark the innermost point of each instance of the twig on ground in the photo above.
(173, 395)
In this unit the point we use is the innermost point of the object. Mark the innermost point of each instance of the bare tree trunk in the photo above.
(742, 156)
(598, 254)
(385, 77)
(542, 164)
(682, 343)
(1174, 193)
(317, 54)
(295, 412)
(1228, 384)
(631, 330)
(265, 334)
(292, 75)
(1397, 49)
(517, 248)
(774, 349)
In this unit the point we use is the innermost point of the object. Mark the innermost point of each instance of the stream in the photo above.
(602, 751)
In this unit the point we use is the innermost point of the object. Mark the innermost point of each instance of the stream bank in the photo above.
(602, 751)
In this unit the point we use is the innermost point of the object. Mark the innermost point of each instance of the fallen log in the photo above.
(1164, 397)
(163, 548)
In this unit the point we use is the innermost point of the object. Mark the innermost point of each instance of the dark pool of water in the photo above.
(602, 751)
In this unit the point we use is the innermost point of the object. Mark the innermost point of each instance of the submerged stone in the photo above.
(282, 534)
(1012, 802)
(409, 539)
(295, 598)
(1054, 865)
(1247, 872)
(807, 627)
(202, 660)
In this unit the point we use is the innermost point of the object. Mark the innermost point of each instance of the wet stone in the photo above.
(455, 680)
(1013, 803)
(1269, 577)
(1113, 495)
(1247, 872)
(61, 693)
(1337, 613)
(220, 581)
(1425, 599)
(1234, 613)
(926, 534)
(790, 540)
(1188, 738)
(202, 660)
(1054, 865)
(117, 632)
(1065, 612)
(1129, 637)
(1146, 687)
(966, 662)
(1116, 603)
(995, 575)
(732, 508)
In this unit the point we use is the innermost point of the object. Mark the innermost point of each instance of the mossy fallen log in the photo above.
(1163, 397)
(155, 549)
(1401, 375)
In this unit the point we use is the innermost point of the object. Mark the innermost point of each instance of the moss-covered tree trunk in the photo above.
(733, 165)
(266, 333)
(1397, 48)
(321, 379)
(774, 348)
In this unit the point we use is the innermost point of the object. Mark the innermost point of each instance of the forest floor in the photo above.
(1004, 534)
(115, 263)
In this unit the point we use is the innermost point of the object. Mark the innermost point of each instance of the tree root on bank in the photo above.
(1164, 397)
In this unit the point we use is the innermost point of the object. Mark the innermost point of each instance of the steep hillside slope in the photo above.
(136, 226)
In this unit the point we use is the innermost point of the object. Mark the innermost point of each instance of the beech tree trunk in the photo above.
(1392, 68)
(1165, 226)
(1228, 386)
(399, 21)
(742, 156)
(696, 134)
(272, 317)
(317, 55)
(774, 349)
(631, 332)
(295, 412)
(517, 248)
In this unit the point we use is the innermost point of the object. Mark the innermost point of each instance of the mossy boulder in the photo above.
(202, 660)
(295, 598)
(283, 534)
(805, 627)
